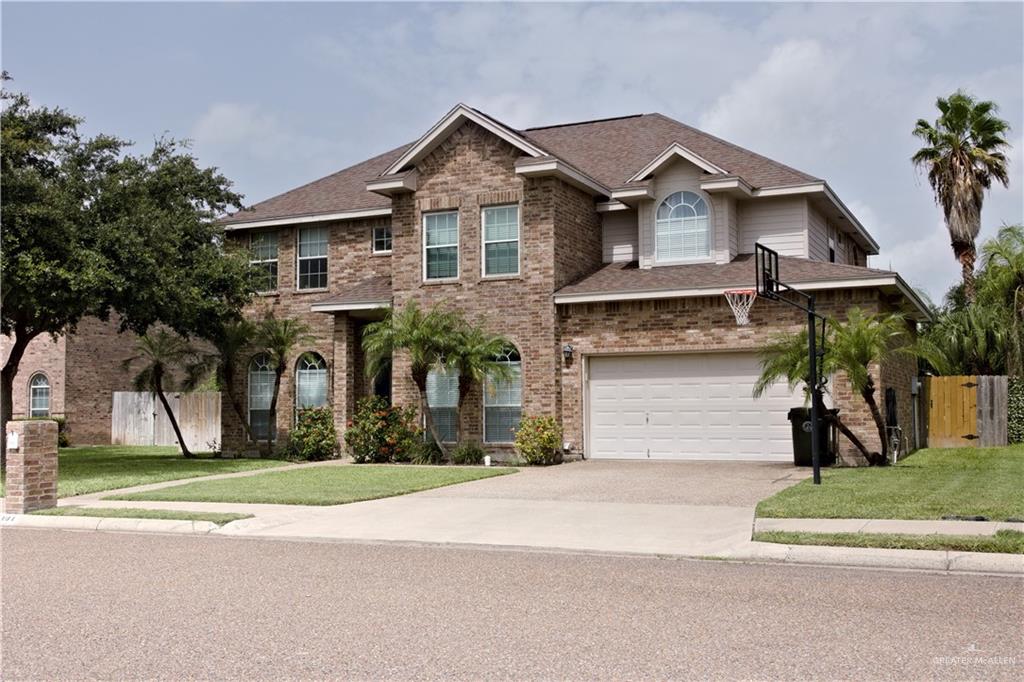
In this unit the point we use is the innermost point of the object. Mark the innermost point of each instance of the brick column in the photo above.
(345, 370)
(32, 467)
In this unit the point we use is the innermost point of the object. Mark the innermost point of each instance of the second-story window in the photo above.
(382, 239)
(501, 240)
(313, 258)
(441, 245)
(682, 228)
(263, 256)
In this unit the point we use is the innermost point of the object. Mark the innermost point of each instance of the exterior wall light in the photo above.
(567, 352)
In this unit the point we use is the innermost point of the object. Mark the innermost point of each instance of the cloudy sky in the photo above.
(277, 95)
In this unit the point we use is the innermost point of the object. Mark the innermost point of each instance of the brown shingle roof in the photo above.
(613, 150)
(370, 290)
(616, 278)
(610, 151)
(341, 191)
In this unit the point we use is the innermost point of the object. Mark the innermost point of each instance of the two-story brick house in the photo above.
(601, 249)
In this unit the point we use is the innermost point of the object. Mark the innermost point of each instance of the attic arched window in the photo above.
(682, 228)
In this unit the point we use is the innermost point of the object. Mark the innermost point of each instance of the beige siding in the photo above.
(817, 235)
(780, 224)
(676, 177)
(620, 239)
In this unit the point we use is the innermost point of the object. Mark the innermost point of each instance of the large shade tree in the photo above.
(91, 230)
(964, 152)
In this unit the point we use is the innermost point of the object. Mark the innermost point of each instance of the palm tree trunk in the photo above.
(876, 414)
(873, 458)
(272, 413)
(236, 404)
(159, 387)
(967, 254)
(428, 418)
(465, 388)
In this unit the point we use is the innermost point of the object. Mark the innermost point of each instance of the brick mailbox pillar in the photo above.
(31, 466)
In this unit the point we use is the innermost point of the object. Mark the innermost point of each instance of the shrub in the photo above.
(427, 451)
(314, 437)
(539, 440)
(1015, 410)
(468, 454)
(381, 433)
(62, 430)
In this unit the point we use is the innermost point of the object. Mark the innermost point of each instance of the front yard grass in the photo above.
(1004, 541)
(92, 469)
(930, 484)
(320, 485)
(219, 518)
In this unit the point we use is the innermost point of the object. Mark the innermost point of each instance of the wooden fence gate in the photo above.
(966, 411)
(140, 419)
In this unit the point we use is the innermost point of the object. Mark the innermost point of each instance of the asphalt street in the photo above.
(85, 605)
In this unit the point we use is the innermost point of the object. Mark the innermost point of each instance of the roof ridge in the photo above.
(581, 123)
(772, 161)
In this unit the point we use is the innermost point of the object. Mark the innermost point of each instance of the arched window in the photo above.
(261, 390)
(682, 228)
(39, 396)
(443, 401)
(503, 401)
(310, 382)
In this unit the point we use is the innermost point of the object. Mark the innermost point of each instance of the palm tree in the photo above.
(475, 357)
(972, 340)
(161, 352)
(963, 154)
(278, 338)
(229, 341)
(1003, 287)
(427, 338)
(851, 347)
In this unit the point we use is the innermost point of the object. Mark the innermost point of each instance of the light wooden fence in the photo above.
(967, 411)
(140, 419)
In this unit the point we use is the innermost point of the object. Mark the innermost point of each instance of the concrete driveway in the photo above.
(662, 508)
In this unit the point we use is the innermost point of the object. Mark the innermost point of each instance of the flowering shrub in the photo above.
(314, 437)
(539, 440)
(380, 432)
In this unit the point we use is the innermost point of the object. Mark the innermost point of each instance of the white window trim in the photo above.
(518, 240)
(299, 259)
(373, 240)
(458, 414)
(458, 247)
(327, 380)
(710, 258)
(272, 435)
(49, 395)
(483, 402)
(277, 259)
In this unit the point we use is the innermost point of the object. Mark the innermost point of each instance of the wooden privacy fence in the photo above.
(966, 411)
(140, 419)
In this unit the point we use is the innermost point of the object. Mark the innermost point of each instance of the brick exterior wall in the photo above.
(43, 355)
(350, 260)
(707, 324)
(31, 468)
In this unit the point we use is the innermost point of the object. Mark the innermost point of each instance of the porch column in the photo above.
(345, 371)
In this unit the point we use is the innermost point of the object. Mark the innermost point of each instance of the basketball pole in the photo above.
(815, 385)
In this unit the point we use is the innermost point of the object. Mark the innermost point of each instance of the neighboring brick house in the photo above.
(74, 376)
(600, 249)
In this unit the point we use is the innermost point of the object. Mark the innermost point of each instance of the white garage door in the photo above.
(691, 406)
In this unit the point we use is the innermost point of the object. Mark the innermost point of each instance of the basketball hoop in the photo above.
(740, 300)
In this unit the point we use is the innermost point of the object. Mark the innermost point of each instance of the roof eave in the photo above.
(353, 214)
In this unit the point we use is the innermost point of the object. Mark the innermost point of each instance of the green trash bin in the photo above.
(799, 419)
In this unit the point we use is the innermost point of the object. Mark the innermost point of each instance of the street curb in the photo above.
(868, 557)
(116, 525)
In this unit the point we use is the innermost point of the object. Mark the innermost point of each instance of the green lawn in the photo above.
(321, 486)
(930, 484)
(91, 469)
(219, 518)
(1004, 541)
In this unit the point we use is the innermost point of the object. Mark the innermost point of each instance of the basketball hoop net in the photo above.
(740, 300)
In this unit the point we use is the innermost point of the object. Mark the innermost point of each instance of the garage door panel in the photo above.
(688, 406)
